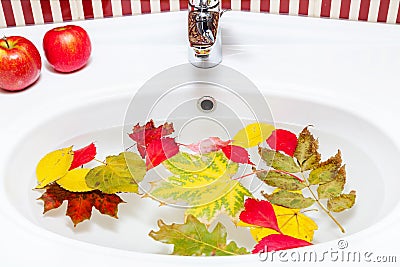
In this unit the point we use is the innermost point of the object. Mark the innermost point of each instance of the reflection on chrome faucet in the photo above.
(205, 49)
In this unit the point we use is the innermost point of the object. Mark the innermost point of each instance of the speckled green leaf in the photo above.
(306, 151)
(278, 160)
(334, 187)
(119, 174)
(280, 180)
(193, 239)
(289, 199)
(342, 202)
(326, 171)
(203, 184)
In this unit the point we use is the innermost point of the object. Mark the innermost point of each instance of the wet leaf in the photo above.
(259, 213)
(208, 145)
(291, 222)
(281, 180)
(306, 151)
(193, 239)
(342, 202)
(237, 154)
(75, 181)
(119, 174)
(204, 184)
(80, 204)
(253, 134)
(276, 242)
(334, 187)
(53, 166)
(278, 160)
(160, 150)
(289, 199)
(83, 156)
(326, 171)
(283, 140)
(144, 135)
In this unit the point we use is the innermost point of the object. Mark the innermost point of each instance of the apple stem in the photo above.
(5, 40)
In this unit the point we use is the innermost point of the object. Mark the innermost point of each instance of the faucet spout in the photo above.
(205, 49)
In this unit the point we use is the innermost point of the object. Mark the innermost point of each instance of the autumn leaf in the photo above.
(326, 171)
(75, 181)
(259, 213)
(208, 145)
(119, 174)
(306, 151)
(278, 160)
(144, 135)
(160, 150)
(253, 134)
(193, 239)
(83, 156)
(283, 140)
(342, 202)
(80, 205)
(237, 154)
(334, 187)
(288, 199)
(291, 222)
(276, 242)
(281, 180)
(204, 184)
(53, 166)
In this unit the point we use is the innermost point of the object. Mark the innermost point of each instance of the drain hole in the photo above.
(206, 104)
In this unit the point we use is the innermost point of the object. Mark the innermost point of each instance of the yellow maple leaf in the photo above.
(292, 222)
(75, 181)
(253, 134)
(53, 166)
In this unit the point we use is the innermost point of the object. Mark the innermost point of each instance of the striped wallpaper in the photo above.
(29, 12)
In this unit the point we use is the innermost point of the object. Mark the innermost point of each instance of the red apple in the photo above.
(67, 48)
(20, 63)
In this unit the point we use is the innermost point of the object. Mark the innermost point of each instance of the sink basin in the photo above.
(304, 75)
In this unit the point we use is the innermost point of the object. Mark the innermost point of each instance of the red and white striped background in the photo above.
(28, 12)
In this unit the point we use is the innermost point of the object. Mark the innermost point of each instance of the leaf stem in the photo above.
(5, 40)
(249, 174)
(102, 162)
(322, 206)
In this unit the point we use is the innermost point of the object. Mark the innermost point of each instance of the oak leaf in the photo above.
(80, 205)
(192, 238)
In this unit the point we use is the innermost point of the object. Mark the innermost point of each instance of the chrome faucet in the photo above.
(205, 49)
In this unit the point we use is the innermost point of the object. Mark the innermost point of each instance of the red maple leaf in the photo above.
(144, 135)
(277, 242)
(237, 154)
(159, 150)
(260, 213)
(83, 156)
(283, 140)
(80, 204)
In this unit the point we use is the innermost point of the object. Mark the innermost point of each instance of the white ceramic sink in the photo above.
(338, 76)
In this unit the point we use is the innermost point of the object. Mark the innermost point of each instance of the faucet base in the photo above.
(206, 58)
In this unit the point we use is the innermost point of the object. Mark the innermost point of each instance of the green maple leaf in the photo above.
(193, 239)
(203, 183)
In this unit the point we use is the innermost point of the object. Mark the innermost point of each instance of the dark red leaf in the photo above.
(277, 242)
(160, 150)
(260, 213)
(144, 135)
(83, 156)
(283, 140)
(237, 154)
(80, 204)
